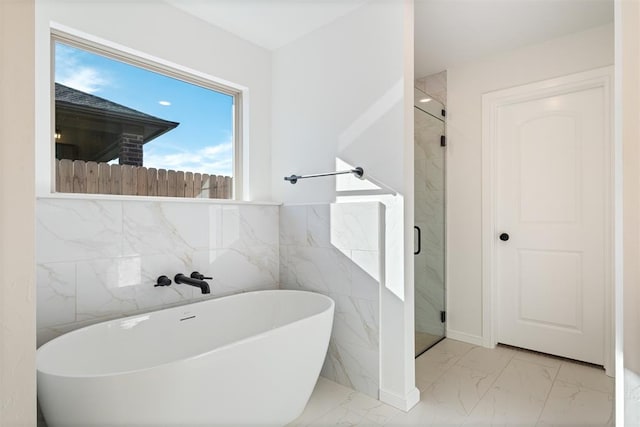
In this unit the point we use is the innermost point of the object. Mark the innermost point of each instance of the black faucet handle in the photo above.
(199, 276)
(162, 281)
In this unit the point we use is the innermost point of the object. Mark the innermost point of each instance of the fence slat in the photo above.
(104, 178)
(171, 183)
(65, 171)
(92, 177)
(57, 176)
(134, 174)
(188, 184)
(162, 182)
(116, 179)
(127, 180)
(197, 184)
(213, 192)
(79, 176)
(225, 187)
(152, 182)
(142, 187)
(221, 184)
(179, 184)
(204, 187)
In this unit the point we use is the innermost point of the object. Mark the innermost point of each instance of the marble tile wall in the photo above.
(335, 249)
(435, 85)
(99, 259)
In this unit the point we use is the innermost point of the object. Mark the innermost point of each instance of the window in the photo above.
(124, 125)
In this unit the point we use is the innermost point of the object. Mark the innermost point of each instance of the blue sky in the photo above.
(203, 140)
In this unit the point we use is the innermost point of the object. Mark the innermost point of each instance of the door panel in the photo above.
(552, 172)
(549, 170)
(429, 190)
(544, 273)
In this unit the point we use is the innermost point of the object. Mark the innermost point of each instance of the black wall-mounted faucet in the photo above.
(196, 275)
(162, 281)
(194, 281)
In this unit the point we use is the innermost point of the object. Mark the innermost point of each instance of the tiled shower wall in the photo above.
(99, 259)
(336, 250)
(434, 85)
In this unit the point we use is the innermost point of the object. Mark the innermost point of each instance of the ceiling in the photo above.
(450, 32)
(447, 32)
(268, 23)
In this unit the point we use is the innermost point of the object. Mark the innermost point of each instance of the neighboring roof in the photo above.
(78, 100)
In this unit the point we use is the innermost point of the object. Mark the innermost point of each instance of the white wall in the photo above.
(167, 33)
(17, 305)
(337, 93)
(628, 67)
(344, 93)
(466, 84)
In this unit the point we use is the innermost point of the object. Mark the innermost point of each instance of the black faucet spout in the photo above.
(204, 286)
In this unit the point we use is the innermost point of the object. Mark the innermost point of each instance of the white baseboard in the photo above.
(404, 403)
(464, 337)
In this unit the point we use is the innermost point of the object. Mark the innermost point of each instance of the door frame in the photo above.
(491, 104)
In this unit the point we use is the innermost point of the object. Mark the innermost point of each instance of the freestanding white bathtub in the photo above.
(244, 360)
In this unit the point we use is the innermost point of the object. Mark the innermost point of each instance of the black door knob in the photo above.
(504, 237)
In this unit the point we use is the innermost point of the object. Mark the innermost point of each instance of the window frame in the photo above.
(169, 69)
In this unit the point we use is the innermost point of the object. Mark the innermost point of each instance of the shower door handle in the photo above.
(419, 240)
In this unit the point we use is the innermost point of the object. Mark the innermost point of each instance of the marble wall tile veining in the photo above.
(77, 230)
(354, 227)
(355, 321)
(156, 227)
(319, 230)
(259, 224)
(336, 250)
(293, 226)
(244, 226)
(99, 259)
(56, 293)
(353, 366)
(99, 290)
(236, 270)
(366, 274)
(321, 270)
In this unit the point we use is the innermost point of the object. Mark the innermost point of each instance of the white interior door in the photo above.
(552, 203)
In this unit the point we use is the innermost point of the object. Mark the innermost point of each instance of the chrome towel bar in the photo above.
(358, 172)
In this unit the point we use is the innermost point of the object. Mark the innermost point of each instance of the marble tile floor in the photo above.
(466, 385)
(424, 340)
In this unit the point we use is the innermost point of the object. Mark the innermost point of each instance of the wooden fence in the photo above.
(77, 176)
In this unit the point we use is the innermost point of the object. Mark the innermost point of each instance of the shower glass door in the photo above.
(429, 212)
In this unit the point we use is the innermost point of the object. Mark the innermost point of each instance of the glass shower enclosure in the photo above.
(429, 215)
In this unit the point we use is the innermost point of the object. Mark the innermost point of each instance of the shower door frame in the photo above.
(433, 112)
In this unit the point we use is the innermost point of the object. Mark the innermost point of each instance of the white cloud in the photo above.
(213, 160)
(164, 103)
(70, 71)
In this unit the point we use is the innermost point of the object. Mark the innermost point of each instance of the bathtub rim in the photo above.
(330, 308)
